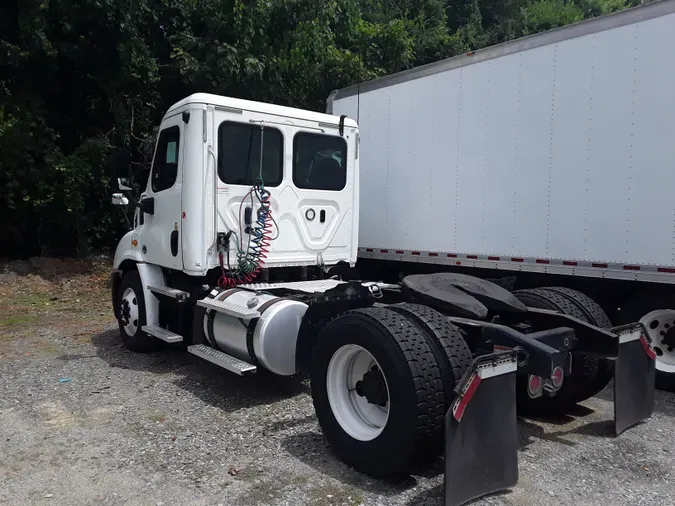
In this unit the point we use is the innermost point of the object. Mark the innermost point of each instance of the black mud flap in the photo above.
(481, 435)
(634, 377)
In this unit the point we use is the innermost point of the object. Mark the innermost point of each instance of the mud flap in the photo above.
(481, 435)
(634, 377)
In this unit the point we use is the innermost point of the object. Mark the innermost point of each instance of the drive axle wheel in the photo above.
(377, 391)
(132, 314)
(594, 315)
(587, 377)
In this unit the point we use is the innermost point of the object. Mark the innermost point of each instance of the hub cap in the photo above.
(661, 329)
(129, 312)
(357, 392)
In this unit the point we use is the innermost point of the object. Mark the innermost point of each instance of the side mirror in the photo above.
(119, 163)
(118, 199)
(147, 205)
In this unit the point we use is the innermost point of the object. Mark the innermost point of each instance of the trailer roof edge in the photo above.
(637, 14)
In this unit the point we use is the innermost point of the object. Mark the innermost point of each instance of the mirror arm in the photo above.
(146, 205)
(121, 186)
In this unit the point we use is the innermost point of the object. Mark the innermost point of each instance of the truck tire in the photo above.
(377, 391)
(594, 315)
(592, 311)
(445, 340)
(132, 314)
(575, 388)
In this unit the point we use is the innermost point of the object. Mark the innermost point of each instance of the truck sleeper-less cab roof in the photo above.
(211, 151)
(219, 101)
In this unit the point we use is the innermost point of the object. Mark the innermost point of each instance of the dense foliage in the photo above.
(78, 77)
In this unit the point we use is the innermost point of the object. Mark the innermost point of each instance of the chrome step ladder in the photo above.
(162, 333)
(223, 360)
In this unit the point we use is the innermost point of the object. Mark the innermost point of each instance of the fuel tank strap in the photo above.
(264, 307)
(215, 294)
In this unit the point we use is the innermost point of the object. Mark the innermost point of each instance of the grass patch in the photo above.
(18, 319)
(32, 299)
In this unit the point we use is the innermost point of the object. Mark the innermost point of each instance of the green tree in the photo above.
(79, 77)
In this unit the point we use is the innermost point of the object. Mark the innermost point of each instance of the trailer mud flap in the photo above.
(634, 377)
(481, 434)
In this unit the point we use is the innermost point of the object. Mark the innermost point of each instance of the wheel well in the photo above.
(116, 280)
(127, 265)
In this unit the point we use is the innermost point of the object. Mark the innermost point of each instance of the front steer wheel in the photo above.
(377, 391)
(132, 314)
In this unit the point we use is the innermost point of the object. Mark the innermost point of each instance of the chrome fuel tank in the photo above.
(269, 340)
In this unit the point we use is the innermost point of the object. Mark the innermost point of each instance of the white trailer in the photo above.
(550, 156)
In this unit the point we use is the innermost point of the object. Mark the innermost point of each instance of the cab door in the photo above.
(160, 234)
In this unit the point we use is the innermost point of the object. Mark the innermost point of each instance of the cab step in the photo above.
(172, 293)
(223, 360)
(161, 333)
(225, 307)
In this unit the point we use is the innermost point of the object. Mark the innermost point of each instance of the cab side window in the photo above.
(239, 156)
(165, 165)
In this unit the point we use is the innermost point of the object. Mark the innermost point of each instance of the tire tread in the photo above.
(584, 367)
(423, 366)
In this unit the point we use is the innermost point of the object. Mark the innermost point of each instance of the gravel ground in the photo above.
(167, 428)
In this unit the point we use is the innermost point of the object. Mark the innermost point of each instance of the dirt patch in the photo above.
(71, 296)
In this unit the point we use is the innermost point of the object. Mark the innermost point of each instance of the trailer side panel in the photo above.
(561, 151)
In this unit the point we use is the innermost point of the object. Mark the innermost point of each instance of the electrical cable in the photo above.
(250, 260)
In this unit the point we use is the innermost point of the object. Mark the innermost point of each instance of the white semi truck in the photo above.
(248, 207)
(548, 159)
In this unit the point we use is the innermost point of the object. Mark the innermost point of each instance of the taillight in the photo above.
(535, 385)
(557, 377)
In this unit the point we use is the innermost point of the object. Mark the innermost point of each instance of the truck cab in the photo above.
(211, 151)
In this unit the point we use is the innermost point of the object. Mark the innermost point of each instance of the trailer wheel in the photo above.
(377, 391)
(584, 367)
(594, 315)
(654, 311)
(132, 314)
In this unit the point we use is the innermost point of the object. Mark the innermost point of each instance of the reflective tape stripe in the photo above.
(463, 401)
(648, 349)
(647, 273)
